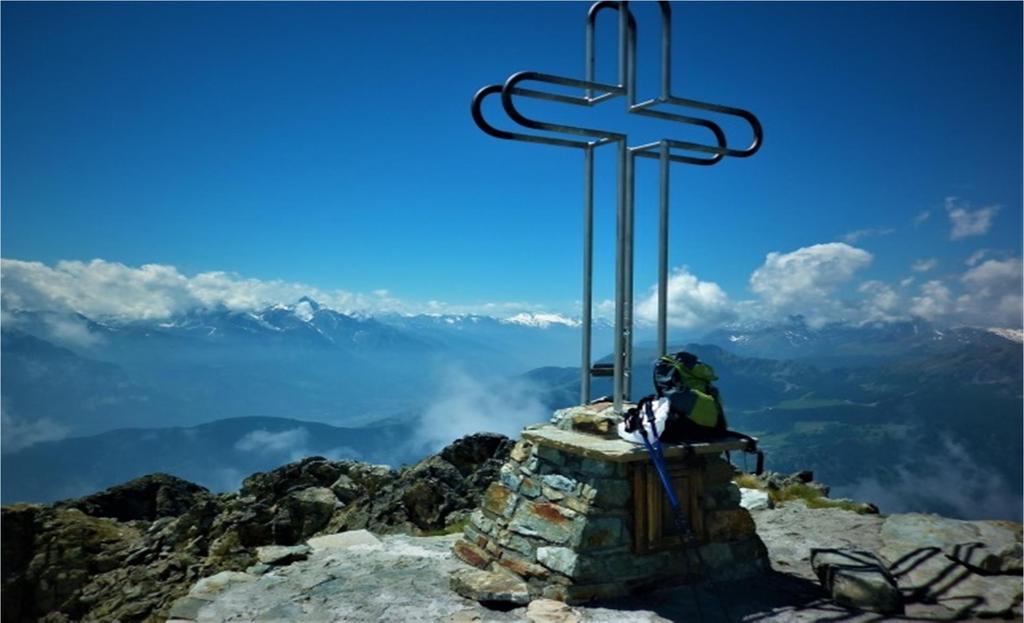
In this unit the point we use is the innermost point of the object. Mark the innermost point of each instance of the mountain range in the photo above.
(215, 393)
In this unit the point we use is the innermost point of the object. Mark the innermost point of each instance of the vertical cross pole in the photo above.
(663, 162)
(588, 270)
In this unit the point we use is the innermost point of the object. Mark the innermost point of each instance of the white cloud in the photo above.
(470, 403)
(881, 302)
(691, 302)
(289, 445)
(979, 490)
(921, 217)
(858, 234)
(924, 265)
(976, 257)
(992, 294)
(103, 290)
(934, 302)
(966, 222)
(71, 330)
(265, 442)
(20, 433)
(805, 281)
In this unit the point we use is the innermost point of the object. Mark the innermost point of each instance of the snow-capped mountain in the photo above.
(541, 321)
(843, 345)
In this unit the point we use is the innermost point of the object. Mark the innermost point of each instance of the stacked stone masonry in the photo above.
(563, 523)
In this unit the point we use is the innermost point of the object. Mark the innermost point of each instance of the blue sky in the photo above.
(331, 145)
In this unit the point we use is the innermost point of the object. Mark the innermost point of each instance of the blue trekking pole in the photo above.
(654, 449)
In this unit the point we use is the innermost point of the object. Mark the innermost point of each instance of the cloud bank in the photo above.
(103, 290)
(823, 283)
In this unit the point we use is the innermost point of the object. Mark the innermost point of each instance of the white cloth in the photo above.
(660, 408)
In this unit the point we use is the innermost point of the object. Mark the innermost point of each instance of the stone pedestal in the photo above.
(579, 516)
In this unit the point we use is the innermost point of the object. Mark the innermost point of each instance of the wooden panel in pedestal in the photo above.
(654, 526)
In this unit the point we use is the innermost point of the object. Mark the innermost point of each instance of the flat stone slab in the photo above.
(990, 547)
(345, 540)
(281, 554)
(619, 450)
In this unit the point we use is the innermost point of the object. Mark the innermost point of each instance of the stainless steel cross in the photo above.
(665, 151)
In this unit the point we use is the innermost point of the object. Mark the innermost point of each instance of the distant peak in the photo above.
(306, 308)
(540, 320)
(312, 304)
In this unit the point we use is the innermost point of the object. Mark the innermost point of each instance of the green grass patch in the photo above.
(814, 499)
(748, 481)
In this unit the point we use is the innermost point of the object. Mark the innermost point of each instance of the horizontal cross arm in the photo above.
(511, 86)
(648, 108)
(482, 123)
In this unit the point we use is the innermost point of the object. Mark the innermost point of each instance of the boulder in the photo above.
(312, 471)
(422, 498)
(146, 498)
(472, 452)
(857, 579)
(550, 611)
(494, 590)
(303, 513)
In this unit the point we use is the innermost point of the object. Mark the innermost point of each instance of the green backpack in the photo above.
(687, 383)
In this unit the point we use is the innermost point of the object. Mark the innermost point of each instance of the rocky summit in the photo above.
(127, 553)
(320, 540)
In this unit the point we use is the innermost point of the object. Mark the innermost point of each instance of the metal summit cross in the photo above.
(665, 151)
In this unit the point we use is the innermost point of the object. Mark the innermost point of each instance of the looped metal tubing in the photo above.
(665, 151)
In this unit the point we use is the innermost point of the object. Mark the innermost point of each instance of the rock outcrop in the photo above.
(158, 546)
(127, 553)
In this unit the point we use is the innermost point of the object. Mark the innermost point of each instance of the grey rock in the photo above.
(927, 575)
(281, 554)
(510, 477)
(985, 546)
(550, 611)
(601, 469)
(792, 530)
(490, 588)
(344, 540)
(535, 519)
(303, 513)
(209, 588)
(612, 492)
(146, 498)
(187, 608)
(346, 489)
(559, 483)
(560, 559)
(857, 579)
